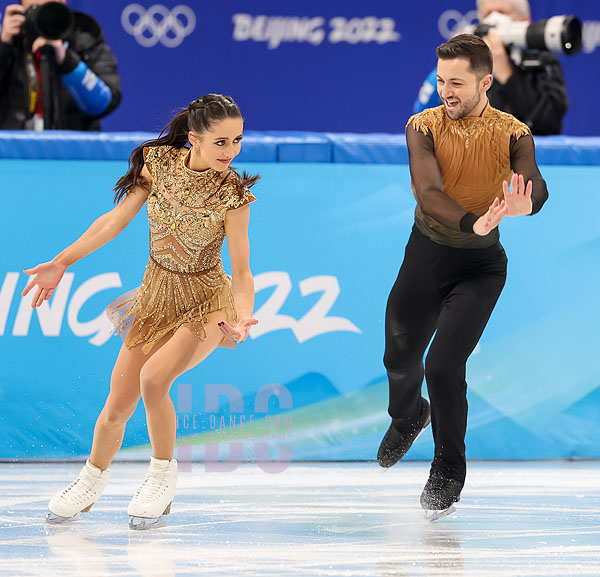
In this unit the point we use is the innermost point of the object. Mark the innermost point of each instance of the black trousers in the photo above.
(450, 292)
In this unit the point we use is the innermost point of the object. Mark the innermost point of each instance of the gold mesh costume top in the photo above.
(474, 156)
(184, 279)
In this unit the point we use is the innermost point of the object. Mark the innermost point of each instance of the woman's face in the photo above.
(217, 147)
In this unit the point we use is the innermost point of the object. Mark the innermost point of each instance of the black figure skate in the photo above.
(439, 495)
(396, 443)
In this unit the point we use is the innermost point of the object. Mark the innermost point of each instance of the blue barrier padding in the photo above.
(376, 148)
(258, 147)
(286, 147)
(568, 150)
(70, 145)
(302, 146)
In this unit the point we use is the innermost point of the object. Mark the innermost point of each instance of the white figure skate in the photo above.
(153, 499)
(79, 496)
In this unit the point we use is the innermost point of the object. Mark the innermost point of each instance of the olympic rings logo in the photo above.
(451, 22)
(158, 24)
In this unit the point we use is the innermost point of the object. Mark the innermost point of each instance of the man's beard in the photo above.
(465, 108)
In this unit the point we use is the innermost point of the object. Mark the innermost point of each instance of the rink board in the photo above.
(327, 241)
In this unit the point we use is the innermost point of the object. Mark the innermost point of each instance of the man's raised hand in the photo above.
(518, 200)
(491, 219)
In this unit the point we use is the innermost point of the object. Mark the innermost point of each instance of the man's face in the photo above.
(506, 7)
(459, 88)
(27, 3)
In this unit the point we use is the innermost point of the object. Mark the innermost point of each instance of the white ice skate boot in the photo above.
(79, 496)
(153, 499)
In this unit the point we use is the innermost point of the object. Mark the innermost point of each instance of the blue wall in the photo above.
(340, 66)
(337, 229)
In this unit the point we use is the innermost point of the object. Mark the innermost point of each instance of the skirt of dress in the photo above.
(167, 300)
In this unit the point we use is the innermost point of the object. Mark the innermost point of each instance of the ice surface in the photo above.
(344, 519)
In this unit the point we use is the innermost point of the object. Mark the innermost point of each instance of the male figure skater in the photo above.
(462, 156)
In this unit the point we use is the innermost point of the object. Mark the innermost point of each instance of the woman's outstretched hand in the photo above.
(239, 333)
(45, 277)
(491, 219)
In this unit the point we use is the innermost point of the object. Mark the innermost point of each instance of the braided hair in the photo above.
(199, 116)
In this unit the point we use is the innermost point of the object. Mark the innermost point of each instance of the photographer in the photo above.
(79, 85)
(528, 84)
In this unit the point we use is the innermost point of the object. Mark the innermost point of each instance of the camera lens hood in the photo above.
(52, 20)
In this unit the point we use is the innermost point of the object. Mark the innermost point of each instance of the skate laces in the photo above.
(77, 492)
(152, 488)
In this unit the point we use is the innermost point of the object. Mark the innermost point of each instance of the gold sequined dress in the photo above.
(184, 279)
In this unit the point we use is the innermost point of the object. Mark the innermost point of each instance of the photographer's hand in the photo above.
(58, 46)
(11, 23)
(502, 66)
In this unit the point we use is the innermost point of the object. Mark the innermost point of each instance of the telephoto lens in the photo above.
(560, 34)
(52, 20)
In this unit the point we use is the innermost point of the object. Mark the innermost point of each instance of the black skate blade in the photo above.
(144, 524)
(435, 514)
(53, 519)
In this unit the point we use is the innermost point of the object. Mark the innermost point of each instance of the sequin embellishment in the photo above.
(184, 279)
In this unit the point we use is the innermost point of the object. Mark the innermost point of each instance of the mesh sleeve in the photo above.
(522, 161)
(427, 181)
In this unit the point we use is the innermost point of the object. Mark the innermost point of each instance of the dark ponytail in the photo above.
(174, 134)
(199, 116)
(248, 181)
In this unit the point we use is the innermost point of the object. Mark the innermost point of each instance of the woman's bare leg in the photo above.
(120, 404)
(183, 351)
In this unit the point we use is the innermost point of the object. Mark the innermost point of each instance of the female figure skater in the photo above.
(186, 306)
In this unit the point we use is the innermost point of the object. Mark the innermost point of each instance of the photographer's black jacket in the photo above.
(86, 43)
(536, 93)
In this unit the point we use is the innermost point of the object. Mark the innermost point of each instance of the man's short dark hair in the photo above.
(471, 47)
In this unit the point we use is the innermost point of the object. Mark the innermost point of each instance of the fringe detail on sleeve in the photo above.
(520, 129)
(239, 193)
(424, 121)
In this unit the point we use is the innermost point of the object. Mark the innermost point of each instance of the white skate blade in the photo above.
(434, 515)
(143, 524)
(53, 519)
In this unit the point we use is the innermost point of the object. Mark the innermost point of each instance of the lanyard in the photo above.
(33, 83)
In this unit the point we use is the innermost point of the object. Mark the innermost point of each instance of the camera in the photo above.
(52, 20)
(560, 34)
